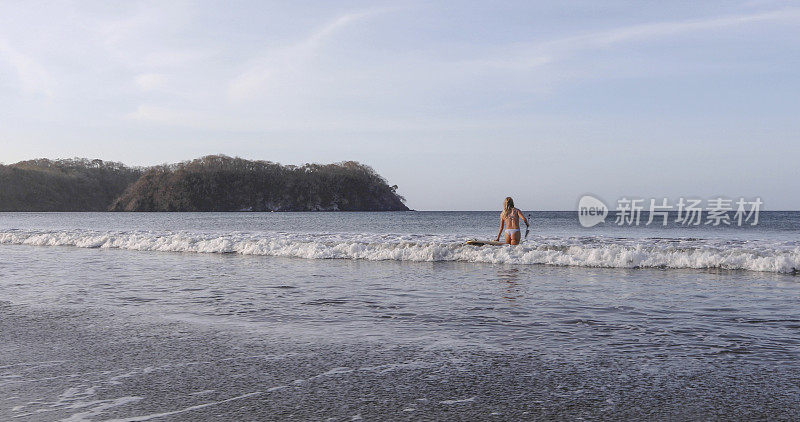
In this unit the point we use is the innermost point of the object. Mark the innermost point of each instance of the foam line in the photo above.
(590, 251)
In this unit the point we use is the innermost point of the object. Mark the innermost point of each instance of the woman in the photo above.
(509, 220)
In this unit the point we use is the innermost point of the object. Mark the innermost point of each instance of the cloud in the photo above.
(165, 115)
(283, 62)
(538, 54)
(643, 32)
(223, 120)
(318, 37)
(33, 77)
(285, 88)
(543, 66)
(150, 81)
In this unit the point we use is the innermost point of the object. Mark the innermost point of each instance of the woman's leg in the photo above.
(508, 239)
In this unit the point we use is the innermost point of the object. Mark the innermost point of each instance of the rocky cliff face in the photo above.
(220, 183)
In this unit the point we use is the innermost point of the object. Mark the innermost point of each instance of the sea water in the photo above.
(391, 316)
(773, 245)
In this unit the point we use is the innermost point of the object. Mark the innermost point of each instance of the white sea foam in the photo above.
(781, 257)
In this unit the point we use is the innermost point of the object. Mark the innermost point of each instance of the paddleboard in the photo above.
(475, 242)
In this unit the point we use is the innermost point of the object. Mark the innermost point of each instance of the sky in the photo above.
(459, 103)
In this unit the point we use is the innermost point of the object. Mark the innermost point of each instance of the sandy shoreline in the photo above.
(87, 365)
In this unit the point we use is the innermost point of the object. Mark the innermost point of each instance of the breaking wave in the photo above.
(591, 251)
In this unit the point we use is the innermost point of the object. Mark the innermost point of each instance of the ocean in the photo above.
(390, 316)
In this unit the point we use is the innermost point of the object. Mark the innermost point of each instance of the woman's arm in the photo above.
(523, 218)
(502, 226)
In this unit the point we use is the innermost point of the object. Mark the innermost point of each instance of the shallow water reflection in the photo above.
(566, 311)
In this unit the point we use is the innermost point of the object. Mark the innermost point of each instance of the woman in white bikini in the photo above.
(509, 220)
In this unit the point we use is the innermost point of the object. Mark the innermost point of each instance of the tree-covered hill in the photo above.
(63, 185)
(221, 183)
(211, 183)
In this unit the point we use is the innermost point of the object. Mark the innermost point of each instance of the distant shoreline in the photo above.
(644, 212)
(214, 183)
(225, 212)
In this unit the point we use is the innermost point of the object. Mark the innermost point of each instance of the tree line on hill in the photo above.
(211, 183)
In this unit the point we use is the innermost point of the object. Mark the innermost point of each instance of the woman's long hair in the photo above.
(508, 206)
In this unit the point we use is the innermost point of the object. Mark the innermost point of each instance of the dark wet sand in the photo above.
(88, 365)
